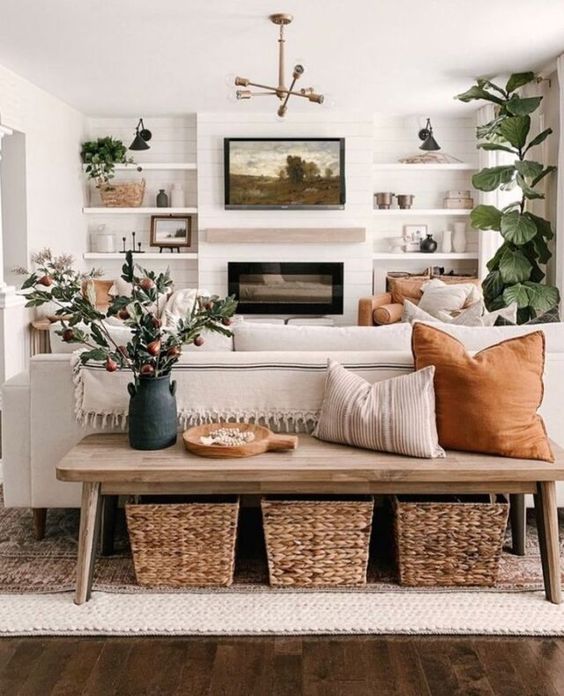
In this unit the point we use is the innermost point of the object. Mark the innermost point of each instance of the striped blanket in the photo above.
(283, 390)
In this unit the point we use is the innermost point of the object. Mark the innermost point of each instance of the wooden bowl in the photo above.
(265, 441)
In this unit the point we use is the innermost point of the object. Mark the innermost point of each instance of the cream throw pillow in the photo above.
(411, 313)
(442, 297)
(395, 415)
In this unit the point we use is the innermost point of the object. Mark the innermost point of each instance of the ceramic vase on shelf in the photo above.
(177, 198)
(162, 199)
(428, 245)
(446, 243)
(459, 237)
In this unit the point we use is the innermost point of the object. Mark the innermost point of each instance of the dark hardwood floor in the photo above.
(312, 666)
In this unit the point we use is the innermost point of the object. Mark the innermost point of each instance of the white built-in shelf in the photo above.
(418, 255)
(420, 212)
(149, 255)
(437, 166)
(102, 210)
(154, 165)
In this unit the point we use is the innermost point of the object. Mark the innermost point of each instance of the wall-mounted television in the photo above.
(284, 173)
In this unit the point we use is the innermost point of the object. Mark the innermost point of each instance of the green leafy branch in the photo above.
(153, 349)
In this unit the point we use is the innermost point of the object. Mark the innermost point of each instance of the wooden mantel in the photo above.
(284, 235)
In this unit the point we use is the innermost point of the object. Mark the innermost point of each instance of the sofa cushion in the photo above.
(275, 337)
(487, 402)
(395, 415)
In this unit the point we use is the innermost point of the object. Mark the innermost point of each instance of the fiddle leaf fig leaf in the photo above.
(515, 130)
(541, 297)
(542, 174)
(522, 107)
(519, 80)
(517, 228)
(541, 248)
(496, 146)
(516, 293)
(490, 178)
(493, 285)
(538, 139)
(528, 192)
(529, 169)
(485, 217)
(543, 226)
(514, 267)
(477, 92)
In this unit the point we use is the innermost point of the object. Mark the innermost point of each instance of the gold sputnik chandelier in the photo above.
(281, 91)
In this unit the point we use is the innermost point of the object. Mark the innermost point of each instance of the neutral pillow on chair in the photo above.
(445, 297)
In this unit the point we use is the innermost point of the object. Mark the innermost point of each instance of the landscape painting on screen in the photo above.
(301, 173)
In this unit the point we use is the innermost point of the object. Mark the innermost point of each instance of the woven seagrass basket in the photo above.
(125, 195)
(317, 543)
(184, 544)
(451, 543)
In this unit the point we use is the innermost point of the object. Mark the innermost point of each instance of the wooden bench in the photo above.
(107, 466)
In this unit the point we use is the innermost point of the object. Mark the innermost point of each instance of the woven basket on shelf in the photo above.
(449, 543)
(185, 544)
(321, 543)
(125, 195)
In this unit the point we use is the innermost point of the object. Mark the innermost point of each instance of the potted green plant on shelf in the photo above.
(516, 271)
(152, 351)
(100, 157)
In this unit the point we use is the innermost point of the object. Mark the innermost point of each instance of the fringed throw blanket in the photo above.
(282, 390)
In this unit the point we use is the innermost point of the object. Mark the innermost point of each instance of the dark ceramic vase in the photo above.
(152, 413)
(428, 245)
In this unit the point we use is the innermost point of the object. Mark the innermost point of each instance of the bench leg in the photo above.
(517, 512)
(87, 540)
(547, 521)
(109, 509)
(39, 522)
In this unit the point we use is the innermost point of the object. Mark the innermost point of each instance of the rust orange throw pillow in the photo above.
(488, 402)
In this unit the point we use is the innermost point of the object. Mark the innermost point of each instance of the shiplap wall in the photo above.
(396, 138)
(369, 139)
(174, 140)
(213, 127)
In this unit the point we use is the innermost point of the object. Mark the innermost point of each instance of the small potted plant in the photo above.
(152, 351)
(100, 157)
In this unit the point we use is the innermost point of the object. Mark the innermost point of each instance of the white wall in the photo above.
(356, 128)
(53, 132)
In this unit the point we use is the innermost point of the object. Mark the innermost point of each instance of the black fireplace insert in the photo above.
(287, 287)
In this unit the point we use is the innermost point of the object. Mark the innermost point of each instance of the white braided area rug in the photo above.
(289, 613)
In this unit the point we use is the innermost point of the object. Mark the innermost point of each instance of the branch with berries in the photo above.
(153, 348)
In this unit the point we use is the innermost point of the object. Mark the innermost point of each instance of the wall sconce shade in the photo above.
(426, 135)
(142, 135)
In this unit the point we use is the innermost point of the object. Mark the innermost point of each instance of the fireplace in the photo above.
(287, 288)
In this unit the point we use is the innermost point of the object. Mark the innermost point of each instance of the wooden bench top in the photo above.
(108, 459)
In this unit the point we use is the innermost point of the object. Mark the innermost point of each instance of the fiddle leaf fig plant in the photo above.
(515, 271)
(100, 157)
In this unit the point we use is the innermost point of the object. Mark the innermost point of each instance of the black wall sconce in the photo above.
(426, 135)
(142, 136)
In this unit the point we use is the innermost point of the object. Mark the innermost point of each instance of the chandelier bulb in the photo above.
(241, 82)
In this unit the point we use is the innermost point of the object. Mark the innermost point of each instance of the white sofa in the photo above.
(39, 425)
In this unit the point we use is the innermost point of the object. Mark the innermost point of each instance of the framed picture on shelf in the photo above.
(412, 236)
(171, 231)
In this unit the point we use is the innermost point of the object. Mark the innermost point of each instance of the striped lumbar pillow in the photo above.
(396, 415)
